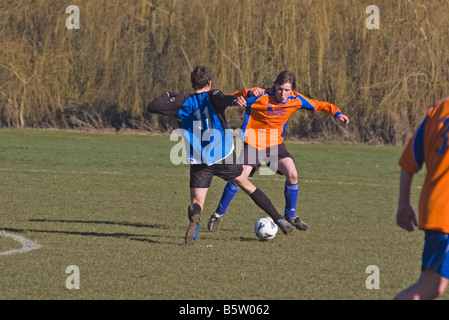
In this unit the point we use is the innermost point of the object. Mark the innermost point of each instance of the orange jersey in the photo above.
(266, 118)
(429, 145)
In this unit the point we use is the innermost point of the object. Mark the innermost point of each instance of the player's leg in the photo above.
(248, 160)
(263, 202)
(228, 194)
(200, 181)
(435, 269)
(198, 197)
(287, 167)
(430, 285)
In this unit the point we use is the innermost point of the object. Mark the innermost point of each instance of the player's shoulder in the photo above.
(299, 95)
(444, 104)
(216, 93)
(216, 96)
(211, 94)
(440, 109)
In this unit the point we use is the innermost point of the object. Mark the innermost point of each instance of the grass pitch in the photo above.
(116, 207)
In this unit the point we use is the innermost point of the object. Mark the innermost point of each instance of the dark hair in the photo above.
(200, 77)
(286, 77)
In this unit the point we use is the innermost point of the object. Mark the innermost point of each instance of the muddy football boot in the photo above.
(214, 222)
(192, 230)
(298, 224)
(285, 226)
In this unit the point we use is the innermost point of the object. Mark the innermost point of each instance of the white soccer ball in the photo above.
(265, 228)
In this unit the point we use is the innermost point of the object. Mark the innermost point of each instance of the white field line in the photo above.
(27, 245)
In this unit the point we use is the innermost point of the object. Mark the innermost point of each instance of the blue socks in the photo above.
(291, 197)
(228, 193)
(290, 192)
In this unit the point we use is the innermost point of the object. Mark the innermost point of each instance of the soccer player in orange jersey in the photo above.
(429, 145)
(266, 115)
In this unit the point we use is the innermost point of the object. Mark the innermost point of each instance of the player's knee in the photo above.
(292, 177)
(243, 182)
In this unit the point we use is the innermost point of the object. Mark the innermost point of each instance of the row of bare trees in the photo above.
(126, 53)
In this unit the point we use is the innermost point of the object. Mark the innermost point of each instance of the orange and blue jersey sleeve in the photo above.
(412, 158)
(319, 106)
(245, 93)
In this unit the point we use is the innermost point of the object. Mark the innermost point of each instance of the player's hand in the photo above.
(343, 118)
(406, 217)
(240, 101)
(256, 92)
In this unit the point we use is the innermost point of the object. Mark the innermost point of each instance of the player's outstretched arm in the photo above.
(168, 104)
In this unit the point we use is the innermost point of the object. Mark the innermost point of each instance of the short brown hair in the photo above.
(200, 77)
(286, 77)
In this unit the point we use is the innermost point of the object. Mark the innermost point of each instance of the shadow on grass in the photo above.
(119, 235)
(246, 239)
(127, 224)
(130, 236)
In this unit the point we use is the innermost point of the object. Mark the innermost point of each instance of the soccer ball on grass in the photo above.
(265, 228)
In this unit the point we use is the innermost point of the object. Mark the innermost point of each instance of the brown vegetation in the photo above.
(128, 52)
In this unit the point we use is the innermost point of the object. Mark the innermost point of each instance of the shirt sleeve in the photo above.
(412, 158)
(321, 106)
(167, 104)
(219, 100)
(245, 93)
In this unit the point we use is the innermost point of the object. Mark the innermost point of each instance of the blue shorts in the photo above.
(436, 252)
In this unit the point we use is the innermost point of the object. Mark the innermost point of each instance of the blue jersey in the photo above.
(202, 119)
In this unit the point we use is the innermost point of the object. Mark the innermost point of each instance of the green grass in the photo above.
(116, 207)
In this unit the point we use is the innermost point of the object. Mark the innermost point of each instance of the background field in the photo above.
(115, 206)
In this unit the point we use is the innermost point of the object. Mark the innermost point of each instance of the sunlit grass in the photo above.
(116, 207)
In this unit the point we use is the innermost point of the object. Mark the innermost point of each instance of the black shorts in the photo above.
(201, 174)
(252, 157)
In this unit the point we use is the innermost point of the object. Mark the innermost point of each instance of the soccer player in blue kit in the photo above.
(209, 146)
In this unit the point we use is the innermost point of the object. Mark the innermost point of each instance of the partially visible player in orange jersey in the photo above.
(428, 145)
(266, 115)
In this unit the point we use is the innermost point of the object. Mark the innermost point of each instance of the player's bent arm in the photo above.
(219, 100)
(256, 92)
(239, 101)
(248, 93)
